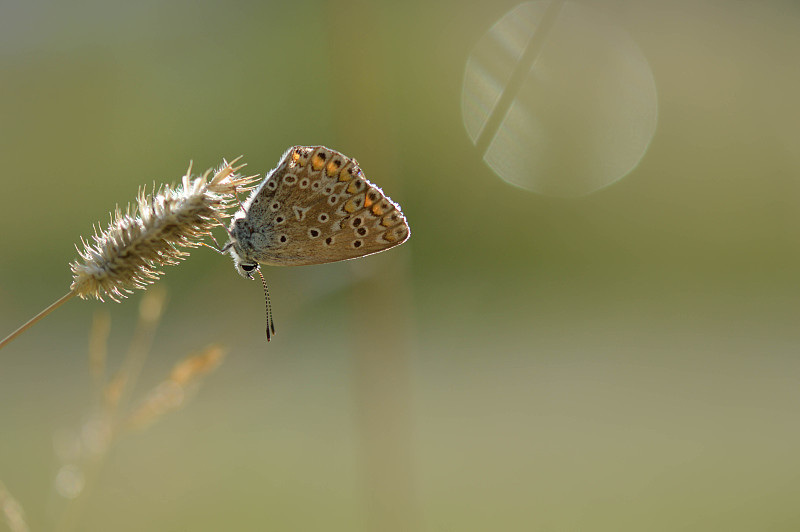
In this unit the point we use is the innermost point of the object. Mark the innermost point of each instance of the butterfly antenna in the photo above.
(270, 323)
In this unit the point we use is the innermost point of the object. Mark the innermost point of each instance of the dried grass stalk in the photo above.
(148, 235)
(138, 241)
(171, 393)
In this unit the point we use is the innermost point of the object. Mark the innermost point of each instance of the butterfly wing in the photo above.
(317, 207)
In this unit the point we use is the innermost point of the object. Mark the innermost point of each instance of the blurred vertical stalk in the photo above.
(115, 394)
(360, 78)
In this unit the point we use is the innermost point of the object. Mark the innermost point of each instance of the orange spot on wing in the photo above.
(332, 167)
(367, 202)
(348, 172)
(377, 210)
(317, 162)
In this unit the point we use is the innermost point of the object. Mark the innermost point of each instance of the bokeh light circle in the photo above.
(559, 99)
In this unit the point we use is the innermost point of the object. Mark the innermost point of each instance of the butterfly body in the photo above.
(315, 207)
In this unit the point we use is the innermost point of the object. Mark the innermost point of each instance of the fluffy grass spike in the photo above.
(152, 233)
(138, 241)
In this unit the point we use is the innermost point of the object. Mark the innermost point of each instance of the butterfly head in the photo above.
(244, 265)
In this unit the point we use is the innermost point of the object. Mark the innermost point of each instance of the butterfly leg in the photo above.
(216, 247)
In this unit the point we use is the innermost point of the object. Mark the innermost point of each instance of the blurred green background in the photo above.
(626, 360)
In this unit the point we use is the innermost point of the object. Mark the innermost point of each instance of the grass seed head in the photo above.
(155, 232)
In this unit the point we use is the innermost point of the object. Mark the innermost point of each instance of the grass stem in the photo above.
(63, 299)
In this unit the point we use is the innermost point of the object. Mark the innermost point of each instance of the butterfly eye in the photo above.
(249, 267)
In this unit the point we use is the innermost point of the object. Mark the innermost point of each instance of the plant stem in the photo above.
(63, 299)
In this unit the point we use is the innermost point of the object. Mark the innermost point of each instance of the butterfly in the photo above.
(315, 207)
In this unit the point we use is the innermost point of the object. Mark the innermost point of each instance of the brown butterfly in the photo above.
(315, 207)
